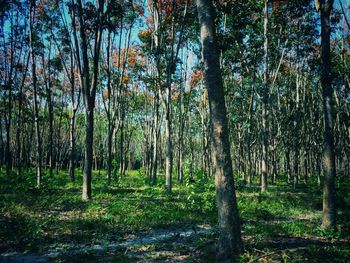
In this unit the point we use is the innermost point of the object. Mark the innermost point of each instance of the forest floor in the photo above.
(132, 221)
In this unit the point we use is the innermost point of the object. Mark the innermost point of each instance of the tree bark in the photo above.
(168, 143)
(265, 105)
(328, 219)
(87, 195)
(230, 243)
(155, 140)
(88, 84)
(35, 94)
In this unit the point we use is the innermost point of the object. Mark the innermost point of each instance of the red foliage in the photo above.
(138, 8)
(145, 33)
(195, 78)
(277, 3)
(176, 96)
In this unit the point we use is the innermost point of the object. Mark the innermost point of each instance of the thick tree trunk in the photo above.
(329, 213)
(230, 243)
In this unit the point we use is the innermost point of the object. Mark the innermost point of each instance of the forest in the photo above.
(175, 131)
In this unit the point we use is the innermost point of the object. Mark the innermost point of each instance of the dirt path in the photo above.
(135, 241)
(169, 245)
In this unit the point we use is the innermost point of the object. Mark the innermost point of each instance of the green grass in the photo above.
(32, 219)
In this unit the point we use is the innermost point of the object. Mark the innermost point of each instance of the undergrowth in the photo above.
(34, 219)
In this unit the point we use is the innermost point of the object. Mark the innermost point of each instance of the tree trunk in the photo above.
(88, 153)
(2, 149)
(329, 213)
(155, 140)
(168, 143)
(296, 167)
(264, 106)
(230, 243)
(109, 151)
(36, 107)
(19, 123)
(121, 143)
(287, 166)
(18, 134)
(51, 119)
(8, 153)
(72, 147)
(182, 115)
(89, 86)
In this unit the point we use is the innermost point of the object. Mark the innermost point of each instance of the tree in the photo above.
(112, 98)
(64, 43)
(324, 7)
(88, 81)
(265, 96)
(32, 41)
(168, 25)
(229, 244)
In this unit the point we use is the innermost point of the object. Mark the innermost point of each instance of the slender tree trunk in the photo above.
(265, 105)
(287, 164)
(8, 153)
(88, 153)
(121, 144)
(250, 169)
(230, 243)
(72, 146)
(37, 125)
(204, 140)
(9, 83)
(155, 140)
(109, 111)
(18, 134)
(2, 149)
(305, 166)
(192, 158)
(19, 123)
(180, 135)
(296, 167)
(109, 151)
(88, 85)
(51, 118)
(74, 108)
(168, 142)
(35, 94)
